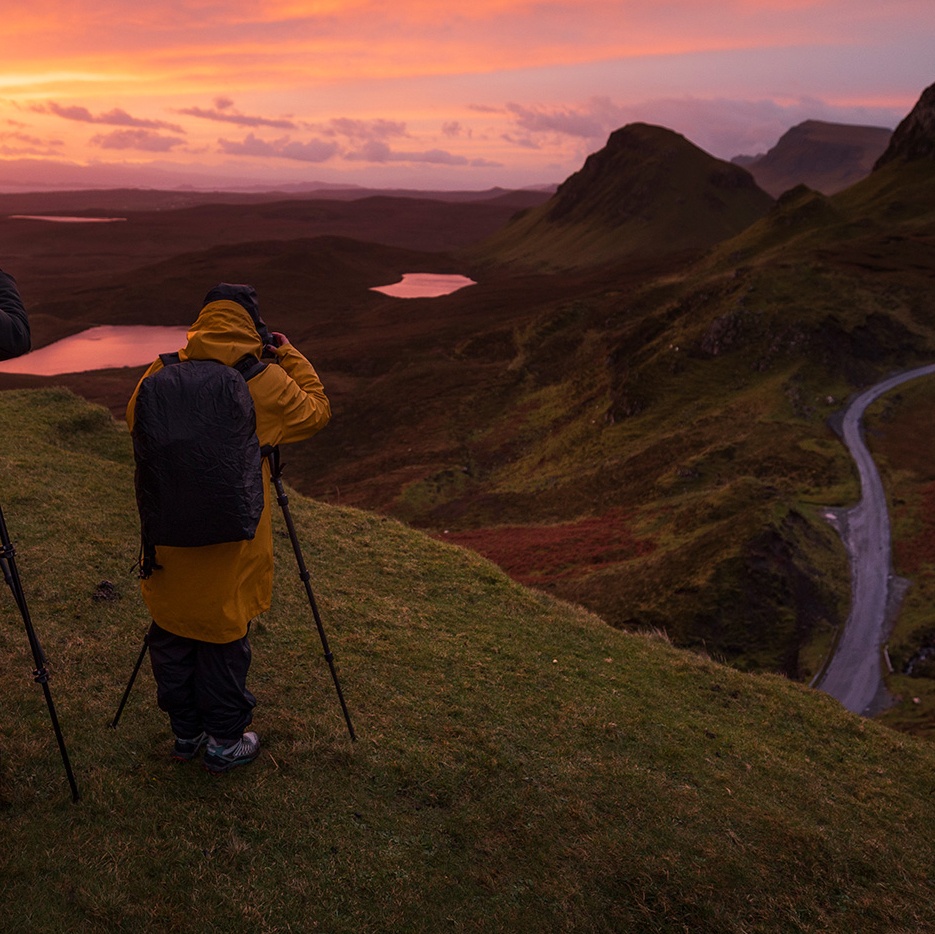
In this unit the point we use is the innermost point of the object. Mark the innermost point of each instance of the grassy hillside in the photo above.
(521, 766)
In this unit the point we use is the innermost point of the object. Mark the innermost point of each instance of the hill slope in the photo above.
(648, 192)
(521, 766)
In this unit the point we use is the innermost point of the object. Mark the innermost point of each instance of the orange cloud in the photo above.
(330, 39)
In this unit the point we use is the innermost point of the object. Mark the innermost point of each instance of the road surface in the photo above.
(854, 675)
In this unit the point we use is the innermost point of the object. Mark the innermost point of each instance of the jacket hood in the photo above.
(245, 296)
(223, 331)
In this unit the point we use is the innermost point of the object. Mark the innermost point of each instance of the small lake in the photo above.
(424, 285)
(100, 348)
(64, 219)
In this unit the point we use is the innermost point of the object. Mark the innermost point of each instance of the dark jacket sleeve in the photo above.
(14, 325)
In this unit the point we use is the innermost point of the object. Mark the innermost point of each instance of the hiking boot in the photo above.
(186, 749)
(220, 758)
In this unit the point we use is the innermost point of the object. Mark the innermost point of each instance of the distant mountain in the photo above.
(648, 192)
(27, 175)
(176, 185)
(915, 136)
(827, 157)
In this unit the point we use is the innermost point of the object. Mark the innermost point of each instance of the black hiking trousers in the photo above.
(202, 686)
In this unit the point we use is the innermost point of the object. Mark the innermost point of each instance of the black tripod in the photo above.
(40, 674)
(275, 465)
(272, 454)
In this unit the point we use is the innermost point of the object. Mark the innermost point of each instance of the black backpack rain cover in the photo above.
(199, 478)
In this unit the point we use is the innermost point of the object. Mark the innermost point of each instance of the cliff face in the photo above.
(827, 157)
(914, 138)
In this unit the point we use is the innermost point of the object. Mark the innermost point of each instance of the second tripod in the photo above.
(40, 674)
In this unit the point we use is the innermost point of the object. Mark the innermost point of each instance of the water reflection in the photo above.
(99, 348)
(64, 219)
(424, 285)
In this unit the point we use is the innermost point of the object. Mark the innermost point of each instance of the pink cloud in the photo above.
(22, 144)
(115, 117)
(365, 129)
(379, 152)
(285, 148)
(145, 140)
(222, 115)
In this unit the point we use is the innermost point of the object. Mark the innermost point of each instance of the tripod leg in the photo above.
(42, 677)
(40, 674)
(283, 500)
(136, 671)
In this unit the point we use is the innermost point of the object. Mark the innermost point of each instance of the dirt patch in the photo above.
(916, 552)
(541, 554)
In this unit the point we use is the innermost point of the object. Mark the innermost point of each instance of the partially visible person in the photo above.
(202, 599)
(14, 325)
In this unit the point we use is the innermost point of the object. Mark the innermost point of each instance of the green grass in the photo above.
(521, 766)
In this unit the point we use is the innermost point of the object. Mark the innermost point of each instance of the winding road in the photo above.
(854, 673)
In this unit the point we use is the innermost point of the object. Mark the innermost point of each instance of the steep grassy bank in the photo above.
(521, 766)
(900, 437)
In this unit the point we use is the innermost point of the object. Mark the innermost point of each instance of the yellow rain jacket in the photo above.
(212, 593)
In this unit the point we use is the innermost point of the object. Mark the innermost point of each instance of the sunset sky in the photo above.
(418, 94)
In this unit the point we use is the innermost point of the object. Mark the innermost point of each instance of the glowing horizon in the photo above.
(507, 92)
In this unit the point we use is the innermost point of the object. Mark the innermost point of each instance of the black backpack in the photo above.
(199, 478)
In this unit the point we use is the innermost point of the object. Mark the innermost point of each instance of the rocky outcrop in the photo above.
(915, 137)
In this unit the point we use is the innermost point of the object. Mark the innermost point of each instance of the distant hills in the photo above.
(827, 157)
(650, 192)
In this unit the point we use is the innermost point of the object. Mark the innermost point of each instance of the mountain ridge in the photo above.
(914, 138)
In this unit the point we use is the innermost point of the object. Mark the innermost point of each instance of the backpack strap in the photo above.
(248, 366)
(147, 563)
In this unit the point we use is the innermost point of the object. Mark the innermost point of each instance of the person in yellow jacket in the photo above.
(202, 599)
